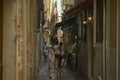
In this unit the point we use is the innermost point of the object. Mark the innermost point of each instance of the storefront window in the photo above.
(99, 21)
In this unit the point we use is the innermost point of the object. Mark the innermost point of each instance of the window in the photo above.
(99, 21)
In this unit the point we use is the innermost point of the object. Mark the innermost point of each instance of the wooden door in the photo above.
(1, 37)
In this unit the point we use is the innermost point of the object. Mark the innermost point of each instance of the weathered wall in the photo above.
(1, 36)
(30, 17)
(113, 40)
(113, 23)
(118, 33)
(28, 55)
(83, 59)
(112, 66)
(110, 47)
(34, 20)
(19, 39)
(9, 40)
(97, 62)
(19, 42)
(97, 57)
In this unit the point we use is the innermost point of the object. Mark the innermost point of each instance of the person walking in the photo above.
(51, 57)
(45, 52)
(56, 54)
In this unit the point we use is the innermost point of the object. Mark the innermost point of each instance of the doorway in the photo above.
(1, 37)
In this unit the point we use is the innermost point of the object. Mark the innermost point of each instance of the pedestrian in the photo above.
(60, 54)
(56, 54)
(64, 58)
(51, 57)
(45, 54)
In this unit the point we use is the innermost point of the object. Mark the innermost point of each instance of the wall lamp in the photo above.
(84, 22)
(89, 18)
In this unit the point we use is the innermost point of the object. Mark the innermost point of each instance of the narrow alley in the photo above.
(52, 74)
(59, 39)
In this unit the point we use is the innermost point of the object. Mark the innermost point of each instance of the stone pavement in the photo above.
(46, 73)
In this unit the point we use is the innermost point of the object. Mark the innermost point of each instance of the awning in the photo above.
(78, 8)
(64, 22)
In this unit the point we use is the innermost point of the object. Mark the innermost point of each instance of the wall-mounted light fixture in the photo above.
(84, 22)
(89, 18)
(75, 37)
(87, 21)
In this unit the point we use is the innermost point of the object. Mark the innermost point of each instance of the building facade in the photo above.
(19, 42)
(97, 40)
